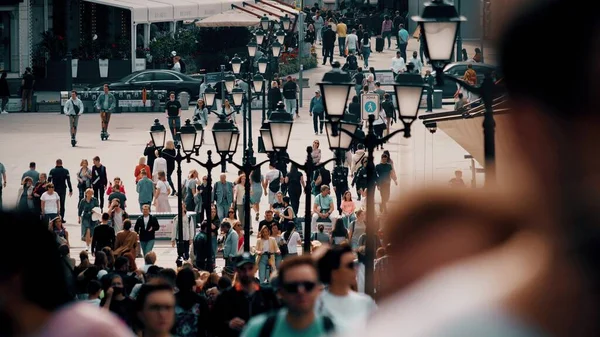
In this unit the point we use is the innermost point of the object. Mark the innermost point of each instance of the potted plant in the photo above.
(103, 56)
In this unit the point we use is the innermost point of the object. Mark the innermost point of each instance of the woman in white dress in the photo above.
(160, 164)
(161, 195)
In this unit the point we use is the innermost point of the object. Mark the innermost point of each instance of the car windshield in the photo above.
(128, 77)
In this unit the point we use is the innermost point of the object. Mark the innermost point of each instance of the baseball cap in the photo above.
(173, 53)
(317, 91)
(245, 258)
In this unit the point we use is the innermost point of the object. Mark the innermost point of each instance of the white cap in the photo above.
(173, 53)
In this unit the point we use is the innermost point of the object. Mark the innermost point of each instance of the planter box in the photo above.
(48, 107)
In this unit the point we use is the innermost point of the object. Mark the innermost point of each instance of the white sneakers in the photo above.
(4, 112)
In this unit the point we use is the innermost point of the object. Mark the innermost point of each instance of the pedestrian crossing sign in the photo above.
(369, 105)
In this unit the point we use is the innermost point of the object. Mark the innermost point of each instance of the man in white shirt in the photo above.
(417, 62)
(270, 183)
(398, 64)
(73, 109)
(352, 42)
(347, 308)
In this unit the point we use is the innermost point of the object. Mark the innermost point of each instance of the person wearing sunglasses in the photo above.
(347, 308)
(299, 289)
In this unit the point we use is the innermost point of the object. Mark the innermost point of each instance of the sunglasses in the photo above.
(294, 287)
(350, 265)
(231, 212)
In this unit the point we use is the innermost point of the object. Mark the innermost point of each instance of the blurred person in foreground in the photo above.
(299, 289)
(31, 306)
(542, 278)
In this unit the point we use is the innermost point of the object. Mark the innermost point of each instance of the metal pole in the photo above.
(179, 202)
(371, 231)
(264, 102)
(300, 45)
(459, 36)
(244, 129)
(68, 56)
(482, 29)
(247, 217)
(223, 89)
(308, 169)
(208, 209)
(251, 158)
(489, 125)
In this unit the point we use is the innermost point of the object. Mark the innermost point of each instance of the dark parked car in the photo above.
(458, 70)
(157, 79)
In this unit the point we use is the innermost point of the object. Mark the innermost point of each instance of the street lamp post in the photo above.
(276, 134)
(440, 23)
(336, 88)
(191, 140)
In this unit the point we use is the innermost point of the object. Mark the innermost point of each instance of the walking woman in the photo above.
(161, 195)
(256, 191)
(366, 49)
(292, 239)
(201, 112)
(84, 178)
(339, 233)
(310, 35)
(239, 191)
(266, 248)
(59, 229)
(38, 190)
(169, 155)
(141, 166)
(229, 112)
(25, 197)
(86, 205)
(296, 184)
(190, 189)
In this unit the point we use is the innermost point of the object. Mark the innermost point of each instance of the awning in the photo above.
(468, 133)
(157, 12)
(139, 13)
(230, 18)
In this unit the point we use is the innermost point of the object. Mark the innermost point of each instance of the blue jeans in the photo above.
(342, 45)
(388, 35)
(318, 120)
(174, 125)
(366, 51)
(223, 210)
(264, 272)
(290, 105)
(147, 246)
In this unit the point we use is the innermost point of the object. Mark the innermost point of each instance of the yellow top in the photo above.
(342, 29)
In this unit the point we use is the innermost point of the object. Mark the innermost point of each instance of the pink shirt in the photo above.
(348, 207)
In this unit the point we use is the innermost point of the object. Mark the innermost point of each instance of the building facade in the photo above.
(15, 36)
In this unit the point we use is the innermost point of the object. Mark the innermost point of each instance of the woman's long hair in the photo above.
(255, 176)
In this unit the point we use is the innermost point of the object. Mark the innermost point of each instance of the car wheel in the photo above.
(179, 96)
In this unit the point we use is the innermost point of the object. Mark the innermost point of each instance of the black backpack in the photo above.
(352, 62)
(325, 177)
(275, 185)
(182, 65)
(267, 328)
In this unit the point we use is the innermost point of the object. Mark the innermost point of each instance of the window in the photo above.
(162, 76)
(145, 77)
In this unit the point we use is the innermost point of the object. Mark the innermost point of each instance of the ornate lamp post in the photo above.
(439, 25)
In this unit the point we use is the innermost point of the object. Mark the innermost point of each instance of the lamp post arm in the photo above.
(314, 167)
(244, 167)
(209, 164)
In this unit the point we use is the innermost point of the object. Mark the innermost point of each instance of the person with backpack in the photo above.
(272, 183)
(351, 65)
(299, 290)
(73, 109)
(177, 63)
(245, 299)
(191, 309)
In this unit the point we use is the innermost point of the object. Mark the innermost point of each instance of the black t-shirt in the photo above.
(294, 181)
(104, 236)
(28, 81)
(266, 223)
(172, 108)
(125, 309)
(383, 172)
